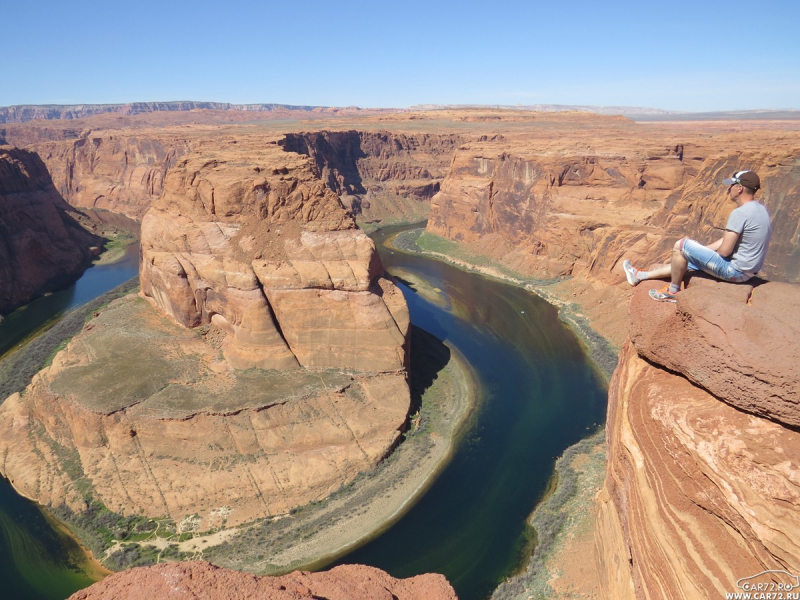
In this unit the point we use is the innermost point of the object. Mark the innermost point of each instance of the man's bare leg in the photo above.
(674, 270)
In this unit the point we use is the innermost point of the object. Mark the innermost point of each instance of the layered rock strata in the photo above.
(379, 174)
(42, 245)
(258, 246)
(201, 580)
(575, 195)
(122, 173)
(567, 211)
(703, 479)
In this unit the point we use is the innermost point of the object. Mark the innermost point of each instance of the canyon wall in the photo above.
(577, 199)
(120, 173)
(42, 245)
(703, 479)
(559, 211)
(380, 175)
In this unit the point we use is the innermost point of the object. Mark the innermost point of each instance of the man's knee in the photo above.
(678, 247)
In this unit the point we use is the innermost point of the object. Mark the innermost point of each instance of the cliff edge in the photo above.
(202, 580)
(702, 485)
(42, 245)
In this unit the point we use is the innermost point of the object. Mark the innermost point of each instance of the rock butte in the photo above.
(702, 484)
(247, 243)
(251, 241)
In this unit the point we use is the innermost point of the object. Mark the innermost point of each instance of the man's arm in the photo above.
(727, 243)
(715, 246)
(724, 246)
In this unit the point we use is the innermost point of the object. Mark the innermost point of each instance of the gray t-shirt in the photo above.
(751, 222)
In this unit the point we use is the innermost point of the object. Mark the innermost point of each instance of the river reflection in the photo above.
(538, 395)
(37, 560)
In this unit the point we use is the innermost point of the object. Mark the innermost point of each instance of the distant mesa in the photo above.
(29, 112)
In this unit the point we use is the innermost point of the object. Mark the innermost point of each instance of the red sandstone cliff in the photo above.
(253, 242)
(42, 246)
(201, 580)
(120, 173)
(703, 478)
(379, 174)
(575, 196)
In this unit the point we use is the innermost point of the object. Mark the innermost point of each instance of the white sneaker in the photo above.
(630, 272)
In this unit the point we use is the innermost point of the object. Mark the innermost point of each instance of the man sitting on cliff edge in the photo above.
(736, 257)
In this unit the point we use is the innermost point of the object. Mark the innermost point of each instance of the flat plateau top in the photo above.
(129, 357)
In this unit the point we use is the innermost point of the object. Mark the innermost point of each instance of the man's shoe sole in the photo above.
(658, 297)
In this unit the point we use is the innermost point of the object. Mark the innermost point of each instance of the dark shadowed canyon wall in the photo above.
(42, 246)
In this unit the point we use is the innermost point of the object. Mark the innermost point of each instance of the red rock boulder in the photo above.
(202, 580)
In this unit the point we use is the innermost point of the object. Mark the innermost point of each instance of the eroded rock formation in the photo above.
(261, 248)
(702, 489)
(143, 415)
(120, 173)
(202, 580)
(379, 174)
(42, 245)
(251, 261)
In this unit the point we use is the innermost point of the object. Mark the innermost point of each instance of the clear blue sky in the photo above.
(673, 55)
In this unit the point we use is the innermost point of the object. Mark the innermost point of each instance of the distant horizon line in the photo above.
(21, 113)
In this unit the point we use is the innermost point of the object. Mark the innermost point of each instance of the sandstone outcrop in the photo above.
(42, 245)
(145, 417)
(202, 580)
(742, 343)
(272, 373)
(701, 489)
(257, 245)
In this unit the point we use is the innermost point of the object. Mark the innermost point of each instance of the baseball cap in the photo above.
(746, 178)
